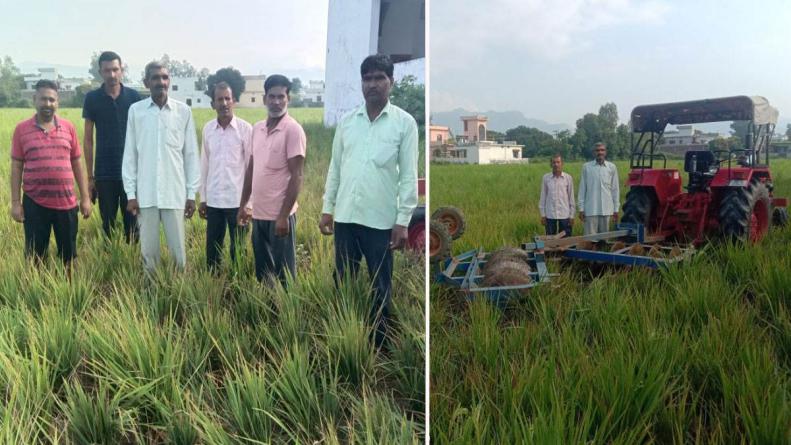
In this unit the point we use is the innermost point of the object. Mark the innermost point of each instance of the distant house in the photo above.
(313, 94)
(253, 95)
(359, 28)
(64, 83)
(685, 138)
(185, 89)
(471, 147)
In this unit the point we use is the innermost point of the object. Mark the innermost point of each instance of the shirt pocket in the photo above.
(174, 138)
(385, 153)
(275, 157)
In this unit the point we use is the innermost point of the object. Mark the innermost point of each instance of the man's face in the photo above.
(223, 103)
(557, 165)
(158, 82)
(601, 153)
(376, 86)
(111, 72)
(276, 100)
(46, 103)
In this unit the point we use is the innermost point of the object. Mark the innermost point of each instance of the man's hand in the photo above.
(85, 207)
(17, 212)
(326, 224)
(615, 217)
(189, 208)
(543, 220)
(398, 237)
(132, 207)
(281, 226)
(92, 189)
(202, 210)
(582, 216)
(244, 215)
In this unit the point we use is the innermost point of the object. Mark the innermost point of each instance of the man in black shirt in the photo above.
(106, 108)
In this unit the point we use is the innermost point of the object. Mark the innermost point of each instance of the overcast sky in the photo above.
(256, 37)
(557, 60)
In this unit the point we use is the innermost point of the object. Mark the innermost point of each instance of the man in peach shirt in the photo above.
(274, 177)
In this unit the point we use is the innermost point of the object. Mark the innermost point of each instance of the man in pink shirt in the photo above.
(274, 177)
(45, 161)
(556, 204)
(224, 159)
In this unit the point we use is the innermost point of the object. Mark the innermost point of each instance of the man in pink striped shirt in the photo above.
(45, 161)
(557, 199)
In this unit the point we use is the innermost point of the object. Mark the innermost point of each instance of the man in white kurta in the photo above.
(161, 168)
(599, 194)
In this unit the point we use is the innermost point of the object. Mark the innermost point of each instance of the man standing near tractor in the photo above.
(557, 199)
(599, 193)
(371, 187)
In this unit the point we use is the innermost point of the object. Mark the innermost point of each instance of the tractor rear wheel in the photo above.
(439, 242)
(639, 206)
(453, 219)
(744, 213)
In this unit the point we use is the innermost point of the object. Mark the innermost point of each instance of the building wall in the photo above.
(183, 89)
(438, 134)
(253, 95)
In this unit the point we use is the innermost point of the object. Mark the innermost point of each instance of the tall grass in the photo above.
(698, 353)
(190, 358)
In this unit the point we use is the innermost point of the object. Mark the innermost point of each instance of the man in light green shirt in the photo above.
(371, 187)
(599, 193)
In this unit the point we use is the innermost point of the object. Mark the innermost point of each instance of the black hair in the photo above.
(153, 65)
(46, 83)
(221, 85)
(277, 80)
(109, 56)
(230, 77)
(377, 62)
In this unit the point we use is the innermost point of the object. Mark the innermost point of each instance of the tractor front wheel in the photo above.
(452, 218)
(780, 217)
(744, 213)
(639, 207)
(439, 242)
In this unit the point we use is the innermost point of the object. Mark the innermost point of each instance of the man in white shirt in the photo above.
(224, 159)
(599, 194)
(557, 199)
(161, 170)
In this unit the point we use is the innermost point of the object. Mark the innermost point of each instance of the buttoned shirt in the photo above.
(372, 179)
(224, 159)
(161, 166)
(557, 196)
(599, 193)
(271, 151)
(47, 176)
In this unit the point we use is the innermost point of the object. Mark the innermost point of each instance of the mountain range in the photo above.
(498, 120)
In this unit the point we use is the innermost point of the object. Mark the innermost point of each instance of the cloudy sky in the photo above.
(254, 36)
(556, 60)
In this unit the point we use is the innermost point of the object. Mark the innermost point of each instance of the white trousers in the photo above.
(149, 219)
(596, 224)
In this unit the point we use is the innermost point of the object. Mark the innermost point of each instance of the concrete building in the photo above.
(64, 83)
(313, 93)
(472, 146)
(685, 138)
(474, 128)
(253, 95)
(359, 28)
(185, 89)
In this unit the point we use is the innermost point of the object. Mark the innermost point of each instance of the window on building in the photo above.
(516, 154)
(439, 138)
(481, 132)
(252, 99)
(175, 87)
(189, 102)
(318, 98)
(198, 100)
(402, 29)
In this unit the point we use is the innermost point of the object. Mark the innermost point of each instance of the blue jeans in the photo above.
(555, 226)
(353, 242)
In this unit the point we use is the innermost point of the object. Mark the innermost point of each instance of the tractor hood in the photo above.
(647, 118)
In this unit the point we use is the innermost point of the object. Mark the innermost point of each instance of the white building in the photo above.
(359, 28)
(484, 152)
(185, 89)
(687, 135)
(64, 83)
(313, 94)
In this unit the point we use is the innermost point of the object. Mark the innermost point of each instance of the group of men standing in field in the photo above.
(146, 163)
(598, 199)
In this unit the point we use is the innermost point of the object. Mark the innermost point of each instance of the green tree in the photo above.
(12, 82)
(411, 97)
(183, 68)
(78, 99)
(788, 132)
(93, 70)
(535, 142)
(296, 86)
(739, 131)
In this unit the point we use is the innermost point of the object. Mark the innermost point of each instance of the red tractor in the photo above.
(729, 192)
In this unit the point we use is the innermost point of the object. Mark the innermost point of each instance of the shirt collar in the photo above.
(386, 110)
(232, 124)
(120, 93)
(151, 103)
(54, 120)
(280, 123)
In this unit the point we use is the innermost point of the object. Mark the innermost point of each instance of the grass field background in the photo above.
(699, 353)
(194, 358)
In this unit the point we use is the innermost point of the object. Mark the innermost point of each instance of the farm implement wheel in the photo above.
(744, 213)
(416, 237)
(507, 267)
(439, 241)
(452, 218)
(780, 217)
(639, 206)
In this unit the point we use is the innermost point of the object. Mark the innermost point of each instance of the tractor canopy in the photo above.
(654, 118)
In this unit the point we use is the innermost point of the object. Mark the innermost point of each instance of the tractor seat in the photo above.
(704, 160)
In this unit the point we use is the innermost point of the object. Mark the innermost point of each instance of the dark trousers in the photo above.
(217, 221)
(555, 226)
(40, 220)
(353, 242)
(111, 196)
(274, 255)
